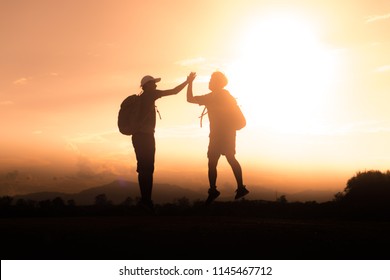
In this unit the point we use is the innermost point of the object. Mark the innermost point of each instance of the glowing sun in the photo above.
(282, 75)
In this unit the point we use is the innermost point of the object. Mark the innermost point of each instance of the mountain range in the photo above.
(118, 191)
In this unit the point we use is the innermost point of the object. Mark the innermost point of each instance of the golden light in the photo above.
(283, 75)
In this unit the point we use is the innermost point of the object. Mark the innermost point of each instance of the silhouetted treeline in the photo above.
(182, 207)
(366, 196)
(369, 188)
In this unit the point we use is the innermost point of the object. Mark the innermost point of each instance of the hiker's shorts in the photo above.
(145, 148)
(223, 143)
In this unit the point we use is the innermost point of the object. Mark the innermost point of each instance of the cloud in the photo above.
(6, 103)
(383, 68)
(12, 176)
(183, 131)
(191, 61)
(356, 127)
(374, 18)
(91, 138)
(21, 81)
(86, 169)
(72, 147)
(365, 127)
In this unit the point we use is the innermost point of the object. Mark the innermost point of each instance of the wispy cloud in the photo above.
(91, 138)
(191, 61)
(183, 131)
(72, 147)
(85, 139)
(383, 68)
(365, 127)
(21, 81)
(374, 18)
(6, 103)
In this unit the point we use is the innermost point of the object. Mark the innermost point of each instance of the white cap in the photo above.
(148, 78)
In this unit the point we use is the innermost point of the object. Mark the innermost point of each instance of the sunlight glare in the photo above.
(283, 75)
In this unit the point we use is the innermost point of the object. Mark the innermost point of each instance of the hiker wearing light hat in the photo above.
(143, 140)
(148, 78)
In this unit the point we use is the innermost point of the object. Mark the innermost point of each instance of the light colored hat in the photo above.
(148, 78)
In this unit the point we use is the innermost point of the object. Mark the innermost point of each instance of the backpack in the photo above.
(234, 116)
(128, 116)
(237, 118)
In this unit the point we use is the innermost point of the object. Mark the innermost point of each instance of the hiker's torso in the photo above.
(147, 114)
(218, 107)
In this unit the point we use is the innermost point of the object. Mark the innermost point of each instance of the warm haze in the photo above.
(312, 77)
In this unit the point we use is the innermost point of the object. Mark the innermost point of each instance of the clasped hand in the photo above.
(191, 77)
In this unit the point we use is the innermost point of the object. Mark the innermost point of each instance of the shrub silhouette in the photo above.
(128, 202)
(282, 199)
(102, 200)
(370, 188)
(182, 202)
(45, 204)
(71, 203)
(5, 201)
(58, 203)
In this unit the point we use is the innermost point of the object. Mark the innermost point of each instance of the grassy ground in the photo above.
(192, 237)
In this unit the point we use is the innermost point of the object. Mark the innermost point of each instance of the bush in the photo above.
(367, 188)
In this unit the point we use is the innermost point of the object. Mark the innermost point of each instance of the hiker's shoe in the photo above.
(147, 207)
(241, 192)
(213, 194)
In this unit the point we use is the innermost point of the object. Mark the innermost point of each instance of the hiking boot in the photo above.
(241, 192)
(213, 194)
(147, 207)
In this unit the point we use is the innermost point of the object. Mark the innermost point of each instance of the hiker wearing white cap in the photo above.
(143, 140)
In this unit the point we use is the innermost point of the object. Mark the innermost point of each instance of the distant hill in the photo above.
(311, 195)
(118, 191)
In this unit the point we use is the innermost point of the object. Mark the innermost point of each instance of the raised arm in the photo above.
(175, 90)
(190, 95)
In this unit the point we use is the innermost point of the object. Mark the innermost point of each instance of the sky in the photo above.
(312, 78)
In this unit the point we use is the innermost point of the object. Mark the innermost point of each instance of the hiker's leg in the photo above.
(212, 166)
(213, 155)
(236, 167)
(145, 180)
(148, 166)
(145, 148)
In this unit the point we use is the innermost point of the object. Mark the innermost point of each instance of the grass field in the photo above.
(192, 237)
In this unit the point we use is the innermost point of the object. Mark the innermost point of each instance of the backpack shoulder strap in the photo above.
(204, 112)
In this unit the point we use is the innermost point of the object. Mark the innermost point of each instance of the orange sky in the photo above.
(312, 78)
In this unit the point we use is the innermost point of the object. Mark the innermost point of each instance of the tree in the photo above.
(128, 202)
(71, 203)
(45, 204)
(282, 199)
(182, 202)
(58, 203)
(21, 203)
(5, 201)
(101, 200)
(367, 188)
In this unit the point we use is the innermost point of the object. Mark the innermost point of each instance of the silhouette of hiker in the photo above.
(222, 134)
(143, 140)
